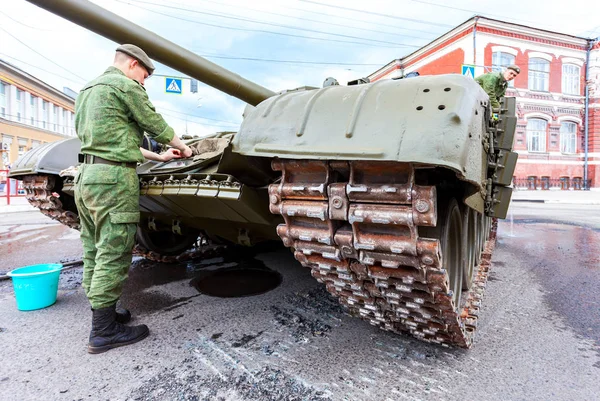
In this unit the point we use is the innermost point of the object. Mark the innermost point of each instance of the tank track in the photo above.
(40, 193)
(356, 226)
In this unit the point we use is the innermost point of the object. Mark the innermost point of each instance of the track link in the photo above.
(356, 226)
(40, 193)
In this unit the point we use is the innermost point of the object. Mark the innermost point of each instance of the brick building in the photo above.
(550, 92)
(31, 113)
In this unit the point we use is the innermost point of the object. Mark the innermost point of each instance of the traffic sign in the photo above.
(173, 85)
(468, 70)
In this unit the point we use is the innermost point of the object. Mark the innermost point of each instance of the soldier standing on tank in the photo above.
(111, 114)
(495, 83)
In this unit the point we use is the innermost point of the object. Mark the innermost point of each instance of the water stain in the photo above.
(237, 282)
(245, 339)
(237, 274)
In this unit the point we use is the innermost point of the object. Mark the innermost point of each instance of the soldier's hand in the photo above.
(170, 154)
(186, 152)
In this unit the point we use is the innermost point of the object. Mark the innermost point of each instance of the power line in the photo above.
(264, 23)
(35, 66)
(28, 26)
(329, 23)
(360, 20)
(192, 115)
(289, 61)
(475, 12)
(40, 54)
(261, 30)
(379, 14)
(195, 122)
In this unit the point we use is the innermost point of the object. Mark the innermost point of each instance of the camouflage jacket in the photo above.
(494, 84)
(111, 114)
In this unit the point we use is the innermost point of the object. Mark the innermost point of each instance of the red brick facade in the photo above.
(551, 119)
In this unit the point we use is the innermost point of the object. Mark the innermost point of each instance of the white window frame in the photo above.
(571, 78)
(3, 99)
(539, 78)
(568, 137)
(20, 94)
(45, 107)
(537, 129)
(33, 105)
(501, 60)
(55, 118)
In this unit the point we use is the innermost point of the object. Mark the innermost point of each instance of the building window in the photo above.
(55, 118)
(64, 124)
(568, 137)
(539, 74)
(536, 135)
(22, 146)
(3, 92)
(570, 79)
(33, 102)
(502, 60)
(20, 96)
(44, 113)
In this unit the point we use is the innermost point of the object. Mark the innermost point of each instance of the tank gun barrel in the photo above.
(120, 30)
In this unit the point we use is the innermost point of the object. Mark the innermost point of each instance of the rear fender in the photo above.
(49, 158)
(432, 120)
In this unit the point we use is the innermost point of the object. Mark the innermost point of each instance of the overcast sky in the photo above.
(277, 44)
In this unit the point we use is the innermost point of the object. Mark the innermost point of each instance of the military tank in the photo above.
(388, 191)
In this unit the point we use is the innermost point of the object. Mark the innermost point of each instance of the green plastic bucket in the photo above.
(36, 286)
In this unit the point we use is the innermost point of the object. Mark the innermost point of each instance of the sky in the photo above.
(279, 44)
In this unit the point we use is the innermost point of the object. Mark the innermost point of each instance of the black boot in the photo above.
(122, 315)
(107, 333)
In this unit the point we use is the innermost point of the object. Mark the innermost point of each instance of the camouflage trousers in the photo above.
(107, 199)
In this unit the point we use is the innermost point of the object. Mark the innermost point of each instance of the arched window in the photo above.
(570, 79)
(536, 135)
(568, 137)
(539, 74)
(501, 60)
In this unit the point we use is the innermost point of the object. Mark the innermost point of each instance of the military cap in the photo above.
(515, 68)
(139, 55)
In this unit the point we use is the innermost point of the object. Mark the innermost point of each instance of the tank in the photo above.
(389, 192)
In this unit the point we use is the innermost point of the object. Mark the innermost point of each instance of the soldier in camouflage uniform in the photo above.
(495, 83)
(111, 114)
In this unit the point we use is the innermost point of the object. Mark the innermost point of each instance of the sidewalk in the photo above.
(17, 204)
(555, 196)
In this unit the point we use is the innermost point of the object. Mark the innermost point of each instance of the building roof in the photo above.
(32, 80)
(492, 24)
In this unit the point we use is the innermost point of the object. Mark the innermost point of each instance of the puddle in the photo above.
(237, 274)
(237, 281)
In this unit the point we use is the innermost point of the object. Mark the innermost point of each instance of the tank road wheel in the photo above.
(450, 234)
(471, 246)
(166, 242)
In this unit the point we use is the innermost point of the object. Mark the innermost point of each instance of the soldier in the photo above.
(111, 114)
(495, 83)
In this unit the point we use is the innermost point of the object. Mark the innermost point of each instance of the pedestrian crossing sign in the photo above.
(468, 70)
(173, 85)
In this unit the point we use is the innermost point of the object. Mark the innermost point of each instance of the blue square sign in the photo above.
(173, 85)
(468, 70)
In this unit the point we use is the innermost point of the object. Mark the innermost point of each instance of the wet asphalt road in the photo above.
(538, 335)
